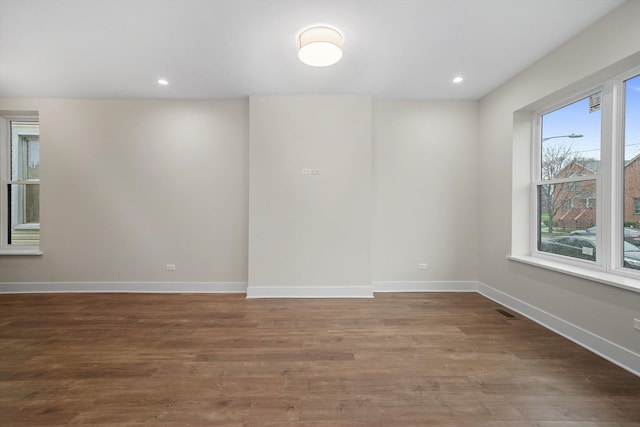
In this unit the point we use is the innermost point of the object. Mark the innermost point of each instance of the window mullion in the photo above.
(606, 210)
(618, 173)
(536, 176)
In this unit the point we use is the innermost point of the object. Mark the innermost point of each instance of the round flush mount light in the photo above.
(320, 46)
(458, 79)
(163, 82)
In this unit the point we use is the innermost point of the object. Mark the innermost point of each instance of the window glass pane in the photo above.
(567, 219)
(631, 253)
(24, 214)
(631, 256)
(31, 157)
(25, 150)
(571, 139)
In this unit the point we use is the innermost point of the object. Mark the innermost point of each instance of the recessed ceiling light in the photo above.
(320, 46)
(163, 82)
(458, 79)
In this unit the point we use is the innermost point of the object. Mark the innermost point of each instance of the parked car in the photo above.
(584, 247)
(591, 231)
(574, 246)
(631, 235)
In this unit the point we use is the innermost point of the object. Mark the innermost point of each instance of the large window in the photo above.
(567, 178)
(20, 191)
(586, 179)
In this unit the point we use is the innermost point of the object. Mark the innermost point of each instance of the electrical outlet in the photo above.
(171, 267)
(636, 324)
(306, 171)
(422, 266)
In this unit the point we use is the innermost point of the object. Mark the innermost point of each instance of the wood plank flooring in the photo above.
(436, 359)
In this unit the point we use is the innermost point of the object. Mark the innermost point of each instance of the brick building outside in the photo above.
(577, 201)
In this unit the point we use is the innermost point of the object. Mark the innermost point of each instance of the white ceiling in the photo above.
(233, 48)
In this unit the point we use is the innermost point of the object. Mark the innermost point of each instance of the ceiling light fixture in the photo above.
(320, 46)
(458, 79)
(163, 82)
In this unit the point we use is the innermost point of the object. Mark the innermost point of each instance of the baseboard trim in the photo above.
(123, 287)
(416, 286)
(604, 348)
(309, 291)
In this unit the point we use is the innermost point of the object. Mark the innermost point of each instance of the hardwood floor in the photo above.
(437, 359)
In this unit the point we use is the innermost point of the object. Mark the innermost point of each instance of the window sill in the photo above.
(30, 226)
(611, 279)
(20, 251)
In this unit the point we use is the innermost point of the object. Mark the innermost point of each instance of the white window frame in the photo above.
(608, 267)
(5, 180)
(536, 181)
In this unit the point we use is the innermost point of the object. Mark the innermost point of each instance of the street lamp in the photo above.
(573, 135)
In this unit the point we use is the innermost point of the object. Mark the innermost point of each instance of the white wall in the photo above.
(310, 230)
(600, 309)
(130, 186)
(425, 162)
